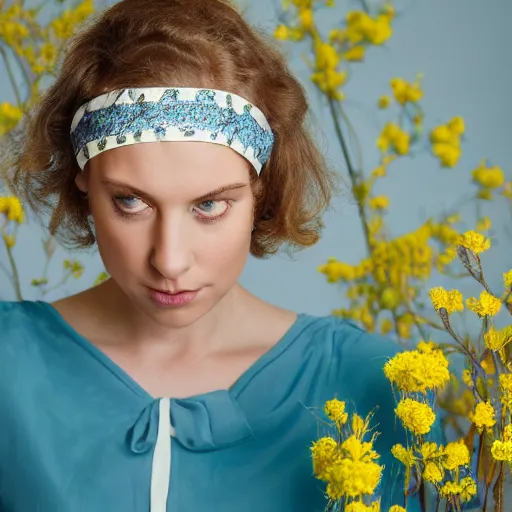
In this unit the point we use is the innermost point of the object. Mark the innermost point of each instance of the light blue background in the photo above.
(463, 49)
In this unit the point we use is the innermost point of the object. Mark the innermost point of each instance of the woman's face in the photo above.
(171, 216)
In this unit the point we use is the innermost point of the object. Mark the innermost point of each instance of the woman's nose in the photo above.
(172, 254)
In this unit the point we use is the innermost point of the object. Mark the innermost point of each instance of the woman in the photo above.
(174, 137)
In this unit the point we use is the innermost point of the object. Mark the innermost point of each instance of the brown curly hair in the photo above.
(181, 43)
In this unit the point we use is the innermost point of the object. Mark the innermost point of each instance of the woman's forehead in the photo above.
(183, 166)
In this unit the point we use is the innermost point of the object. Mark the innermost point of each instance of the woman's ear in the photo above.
(82, 180)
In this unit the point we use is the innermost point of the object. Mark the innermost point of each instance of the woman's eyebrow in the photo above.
(219, 191)
(212, 193)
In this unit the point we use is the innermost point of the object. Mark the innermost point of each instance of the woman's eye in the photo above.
(130, 204)
(211, 208)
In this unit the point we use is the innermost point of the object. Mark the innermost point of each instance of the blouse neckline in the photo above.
(235, 389)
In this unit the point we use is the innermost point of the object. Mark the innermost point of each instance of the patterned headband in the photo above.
(131, 116)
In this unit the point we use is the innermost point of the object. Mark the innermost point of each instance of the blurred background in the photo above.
(460, 46)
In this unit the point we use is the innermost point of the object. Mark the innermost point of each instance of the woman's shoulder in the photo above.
(21, 323)
(346, 353)
(341, 338)
(19, 314)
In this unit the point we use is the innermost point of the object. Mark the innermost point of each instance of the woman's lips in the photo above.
(163, 298)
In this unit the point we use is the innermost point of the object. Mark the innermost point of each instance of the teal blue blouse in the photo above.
(79, 435)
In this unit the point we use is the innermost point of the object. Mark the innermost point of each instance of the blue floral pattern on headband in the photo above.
(208, 115)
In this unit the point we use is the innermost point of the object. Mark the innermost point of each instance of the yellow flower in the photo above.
(355, 449)
(9, 240)
(445, 141)
(467, 379)
(450, 489)
(405, 92)
(495, 340)
(381, 30)
(335, 411)
(282, 32)
(404, 455)
(502, 450)
(75, 267)
(356, 53)
(384, 102)
(359, 24)
(468, 488)
(9, 117)
(456, 125)
(350, 478)
(487, 304)
(433, 472)
(507, 279)
(324, 453)
(306, 19)
(326, 56)
(361, 27)
(457, 455)
(430, 451)
(451, 300)
(337, 271)
(507, 432)
(379, 203)
(417, 372)
(329, 81)
(483, 417)
(474, 241)
(12, 209)
(397, 508)
(488, 177)
(358, 426)
(505, 381)
(393, 137)
(416, 416)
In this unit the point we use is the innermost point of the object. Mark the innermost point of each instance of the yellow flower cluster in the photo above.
(405, 92)
(496, 340)
(417, 417)
(502, 449)
(11, 208)
(394, 138)
(335, 411)
(507, 279)
(361, 27)
(326, 74)
(37, 44)
(505, 382)
(466, 489)
(457, 455)
(349, 466)
(486, 305)
(483, 416)
(13, 30)
(379, 203)
(488, 178)
(388, 279)
(9, 117)
(64, 26)
(474, 241)
(74, 267)
(451, 300)
(435, 461)
(417, 371)
(445, 141)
